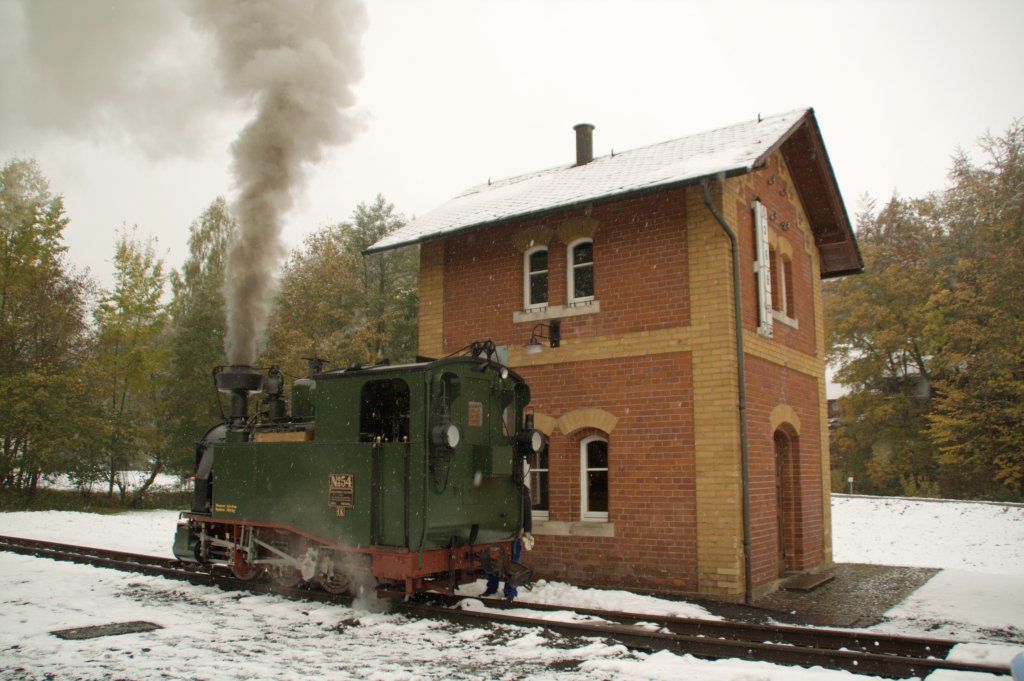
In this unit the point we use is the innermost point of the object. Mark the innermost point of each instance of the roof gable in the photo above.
(732, 150)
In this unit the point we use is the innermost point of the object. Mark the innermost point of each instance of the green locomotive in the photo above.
(400, 478)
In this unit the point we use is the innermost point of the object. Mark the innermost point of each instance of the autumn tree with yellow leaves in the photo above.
(930, 339)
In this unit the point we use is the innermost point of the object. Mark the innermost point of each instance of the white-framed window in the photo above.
(580, 270)
(788, 307)
(764, 269)
(594, 479)
(538, 483)
(535, 278)
(783, 304)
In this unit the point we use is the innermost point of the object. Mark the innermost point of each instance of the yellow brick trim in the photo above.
(538, 235)
(583, 227)
(636, 344)
(715, 397)
(784, 413)
(431, 319)
(579, 419)
(545, 423)
(779, 245)
(771, 351)
(680, 339)
(819, 344)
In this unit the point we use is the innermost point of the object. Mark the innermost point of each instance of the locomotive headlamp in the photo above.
(446, 435)
(531, 440)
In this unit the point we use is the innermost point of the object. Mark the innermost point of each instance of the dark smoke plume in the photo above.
(297, 61)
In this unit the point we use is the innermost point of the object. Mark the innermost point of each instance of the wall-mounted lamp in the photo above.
(554, 336)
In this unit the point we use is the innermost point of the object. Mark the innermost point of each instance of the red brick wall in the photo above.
(784, 216)
(651, 472)
(639, 274)
(768, 386)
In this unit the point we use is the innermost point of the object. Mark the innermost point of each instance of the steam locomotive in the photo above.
(399, 479)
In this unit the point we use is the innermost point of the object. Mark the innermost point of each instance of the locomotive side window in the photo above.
(384, 411)
(594, 474)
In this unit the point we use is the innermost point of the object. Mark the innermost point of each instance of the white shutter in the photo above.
(763, 269)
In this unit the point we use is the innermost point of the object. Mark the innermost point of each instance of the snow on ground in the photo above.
(979, 595)
(210, 634)
(977, 537)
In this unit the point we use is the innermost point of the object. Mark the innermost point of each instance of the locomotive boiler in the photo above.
(400, 478)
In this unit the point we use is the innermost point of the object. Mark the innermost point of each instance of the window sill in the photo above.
(556, 312)
(586, 528)
(783, 318)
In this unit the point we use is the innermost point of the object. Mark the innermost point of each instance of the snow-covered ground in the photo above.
(208, 634)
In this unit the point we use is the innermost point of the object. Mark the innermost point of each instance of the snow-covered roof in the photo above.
(731, 150)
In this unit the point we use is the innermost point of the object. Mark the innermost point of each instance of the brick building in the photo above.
(679, 460)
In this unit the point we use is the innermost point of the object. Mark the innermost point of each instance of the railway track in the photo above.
(860, 652)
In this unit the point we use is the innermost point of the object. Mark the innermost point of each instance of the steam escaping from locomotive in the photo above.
(298, 62)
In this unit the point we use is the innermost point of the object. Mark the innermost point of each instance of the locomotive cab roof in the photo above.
(424, 363)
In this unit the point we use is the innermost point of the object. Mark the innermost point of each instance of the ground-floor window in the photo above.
(538, 482)
(594, 478)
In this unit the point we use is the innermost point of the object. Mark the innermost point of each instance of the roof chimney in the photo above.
(584, 143)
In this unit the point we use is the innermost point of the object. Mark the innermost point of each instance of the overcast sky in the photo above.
(119, 103)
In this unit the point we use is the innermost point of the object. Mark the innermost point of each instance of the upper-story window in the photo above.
(773, 267)
(788, 297)
(545, 271)
(535, 274)
(594, 478)
(581, 271)
(773, 259)
(783, 304)
(763, 256)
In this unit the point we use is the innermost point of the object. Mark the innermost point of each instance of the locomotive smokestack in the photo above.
(239, 381)
(584, 143)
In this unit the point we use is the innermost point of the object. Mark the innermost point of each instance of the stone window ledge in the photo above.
(558, 528)
(783, 318)
(556, 312)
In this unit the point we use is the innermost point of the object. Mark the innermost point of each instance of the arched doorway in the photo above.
(786, 499)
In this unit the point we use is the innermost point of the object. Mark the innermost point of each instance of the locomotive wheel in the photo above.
(334, 584)
(286, 577)
(241, 569)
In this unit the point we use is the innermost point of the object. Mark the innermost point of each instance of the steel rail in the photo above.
(856, 651)
(713, 639)
(836, 639)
